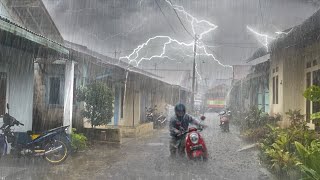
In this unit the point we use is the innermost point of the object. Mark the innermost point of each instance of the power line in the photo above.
(211, 49)
(181, 21)
(165, 17)
(224, 45)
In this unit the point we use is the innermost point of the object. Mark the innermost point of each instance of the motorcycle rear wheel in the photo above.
(58, 157)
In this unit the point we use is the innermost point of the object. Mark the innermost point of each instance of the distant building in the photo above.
(216, 98)
(240, 71)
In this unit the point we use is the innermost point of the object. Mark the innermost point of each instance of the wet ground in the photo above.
(148, 158)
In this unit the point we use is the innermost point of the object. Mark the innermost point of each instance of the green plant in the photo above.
(278, 148)
(280, 157)
(255, 134)
(295, 117)
(309, 159)
(256, 118)
(98, 100)
(78, 140)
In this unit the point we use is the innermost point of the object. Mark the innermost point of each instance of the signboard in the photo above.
(216, 103)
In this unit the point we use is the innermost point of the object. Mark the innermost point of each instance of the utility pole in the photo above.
(194, 72)
(206, 80)
(115, 53)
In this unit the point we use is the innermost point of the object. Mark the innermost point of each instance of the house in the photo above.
(21, 49)
(240, 71)
(295, 66)
(216, 97)
(133, 89)
(253, 89)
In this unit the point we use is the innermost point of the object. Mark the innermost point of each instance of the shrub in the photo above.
(256, 118)
(278, 149)
(255, 134)
(98, 100)
(295, 117)
(78, 140)
(309, 159)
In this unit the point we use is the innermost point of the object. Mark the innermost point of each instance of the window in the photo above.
(122, 101)
(316, 81)
(308, 83)
(74, 91)
(308, 65)
(3, 92)
(275, 89)
(54, 91)
(314, 63)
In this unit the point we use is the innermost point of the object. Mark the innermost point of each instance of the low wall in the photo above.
(107, 135)
(144, 129)
(128, 132)
(114, 134)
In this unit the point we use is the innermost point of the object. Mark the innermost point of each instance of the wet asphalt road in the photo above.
(148, 158)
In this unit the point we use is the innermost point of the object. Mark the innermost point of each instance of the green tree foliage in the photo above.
(98, 100)
(312, 93)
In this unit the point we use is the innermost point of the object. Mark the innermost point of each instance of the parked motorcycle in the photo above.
(52, 145)
(224, 121)
(150, 113)
(195, 146)
(160, 122)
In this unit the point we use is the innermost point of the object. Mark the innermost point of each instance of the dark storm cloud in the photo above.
(108, 25)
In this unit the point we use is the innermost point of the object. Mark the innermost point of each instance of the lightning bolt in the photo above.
(136, 58)
(262, 38)
(194, 21)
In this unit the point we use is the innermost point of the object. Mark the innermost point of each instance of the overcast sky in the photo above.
(122, 25)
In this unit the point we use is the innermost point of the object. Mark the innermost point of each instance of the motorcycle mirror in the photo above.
(8, 106)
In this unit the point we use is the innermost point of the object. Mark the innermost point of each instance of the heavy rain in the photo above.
(160, 89)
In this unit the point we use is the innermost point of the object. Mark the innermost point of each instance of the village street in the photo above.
(148, 158)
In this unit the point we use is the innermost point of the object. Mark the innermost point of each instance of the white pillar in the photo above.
(68, 94)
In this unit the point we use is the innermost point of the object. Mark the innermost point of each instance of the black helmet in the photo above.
(180, 110)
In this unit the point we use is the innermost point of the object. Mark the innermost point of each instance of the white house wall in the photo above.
(293, 82)
(291, 74)
(20, 92)
(276, 61)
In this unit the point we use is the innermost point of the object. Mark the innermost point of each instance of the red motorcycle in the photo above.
(195, 146)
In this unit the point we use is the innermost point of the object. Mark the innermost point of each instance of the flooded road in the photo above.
(148, 158)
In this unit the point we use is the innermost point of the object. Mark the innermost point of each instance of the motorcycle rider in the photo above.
(179, 123)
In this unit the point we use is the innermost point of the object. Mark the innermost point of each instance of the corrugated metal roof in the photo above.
(18, 30)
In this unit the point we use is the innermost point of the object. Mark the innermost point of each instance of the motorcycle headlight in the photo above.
(194, 137)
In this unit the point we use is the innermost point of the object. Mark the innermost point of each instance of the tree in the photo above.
(313, 94)
(98, 100)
